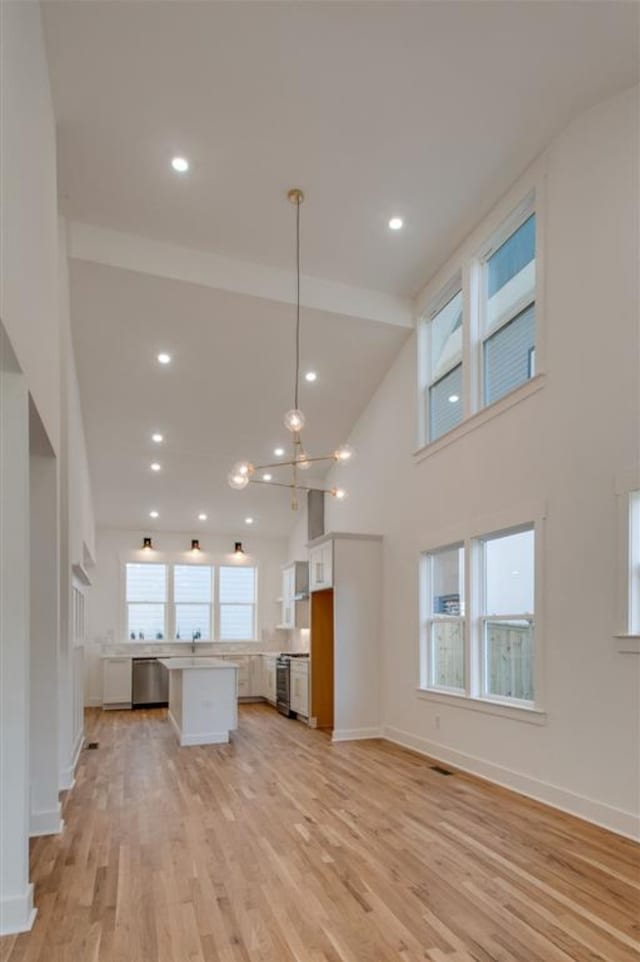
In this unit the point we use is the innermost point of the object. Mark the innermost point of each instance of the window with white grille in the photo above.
(508, 351)
(443, 394)
(507, 615)
(442, 604)
(237, 603)
(193, 598)
(146, 600)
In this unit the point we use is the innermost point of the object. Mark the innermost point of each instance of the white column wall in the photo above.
(16, 893)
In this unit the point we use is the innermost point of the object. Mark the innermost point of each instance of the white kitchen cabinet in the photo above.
(255, 676)
(345, 634)
(116, 682)
(299, 695)
(269, 678)
(295, 594)
(321, 566)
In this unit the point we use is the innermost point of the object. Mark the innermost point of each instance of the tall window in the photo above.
(146, 599)
(444, 389)
(193, 595)
(633, 622)
(507, 615)
(237, 603)
(443, 614)
(508, 350)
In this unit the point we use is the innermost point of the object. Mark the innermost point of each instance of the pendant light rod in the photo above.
(296, 196)
(284, 464)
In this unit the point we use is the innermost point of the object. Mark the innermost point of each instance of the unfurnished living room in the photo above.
(319, 481)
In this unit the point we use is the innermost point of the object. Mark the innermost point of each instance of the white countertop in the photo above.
(186, 663)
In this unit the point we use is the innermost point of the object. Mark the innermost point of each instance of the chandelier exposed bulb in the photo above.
(339, 494)
(245, 468)
(237, 480)
(294, 421)
(344, 453)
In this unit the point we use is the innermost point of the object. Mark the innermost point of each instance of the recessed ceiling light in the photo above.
(248, 520)
(164, 358)
(279, 452)
(267, 477)
(180, 164)
(310, 376)
(453, 398)
(202, 516)
(154, 466)
(158, 438)
(396, 223)
(154, 514)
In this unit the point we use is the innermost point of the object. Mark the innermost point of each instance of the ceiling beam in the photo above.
(101, 245)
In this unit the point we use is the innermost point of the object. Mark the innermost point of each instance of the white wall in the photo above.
(28, 200)
(34, 313)
(563, 446)
(114, 547)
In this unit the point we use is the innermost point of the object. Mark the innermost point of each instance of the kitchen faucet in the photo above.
(194, 638)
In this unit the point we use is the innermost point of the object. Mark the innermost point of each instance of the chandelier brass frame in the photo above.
(243, 472)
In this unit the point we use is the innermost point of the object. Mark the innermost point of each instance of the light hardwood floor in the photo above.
(282, 847)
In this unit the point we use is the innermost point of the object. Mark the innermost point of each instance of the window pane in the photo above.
(445, 403)
(146, 620)
(448, 582)
(237, 584)
(191, 619)
(509, 356)
(511, 272)
(192, 583)
(447, 654)
(146, 582)
(446, 337)
(236, 622)
(509, 659)
(509, 574)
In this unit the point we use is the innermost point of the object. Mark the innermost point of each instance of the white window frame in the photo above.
(174, 604)
(486, 331)
(169, 564)
(527, 197)
(165, 603)
(627, 629)
(428, 621)
(220, 604)
(425, 354)
(521, 517)
(483, 618)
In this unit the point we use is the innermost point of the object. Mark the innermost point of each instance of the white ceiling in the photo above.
(427, 110)
(221, 399)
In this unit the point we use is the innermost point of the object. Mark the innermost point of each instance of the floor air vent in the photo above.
(440, 770)
(91, 745)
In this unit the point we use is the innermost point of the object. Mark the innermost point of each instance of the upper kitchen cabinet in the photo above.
(321, 566)
(295, 595)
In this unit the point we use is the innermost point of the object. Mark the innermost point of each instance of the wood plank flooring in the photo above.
(282, 847)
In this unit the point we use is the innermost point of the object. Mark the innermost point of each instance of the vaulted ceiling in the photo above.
(424, 110)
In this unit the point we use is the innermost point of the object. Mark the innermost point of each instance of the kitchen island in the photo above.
(202, 699)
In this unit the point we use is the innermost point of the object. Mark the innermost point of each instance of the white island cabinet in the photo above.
(202, 699)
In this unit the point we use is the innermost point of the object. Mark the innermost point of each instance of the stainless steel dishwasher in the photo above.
(150, 683)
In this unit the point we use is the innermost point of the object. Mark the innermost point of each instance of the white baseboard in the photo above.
(17, 913)
(46, 823)
(615, 819)
(68, 775)
(355, 734)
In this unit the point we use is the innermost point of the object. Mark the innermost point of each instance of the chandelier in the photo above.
(244, 472)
